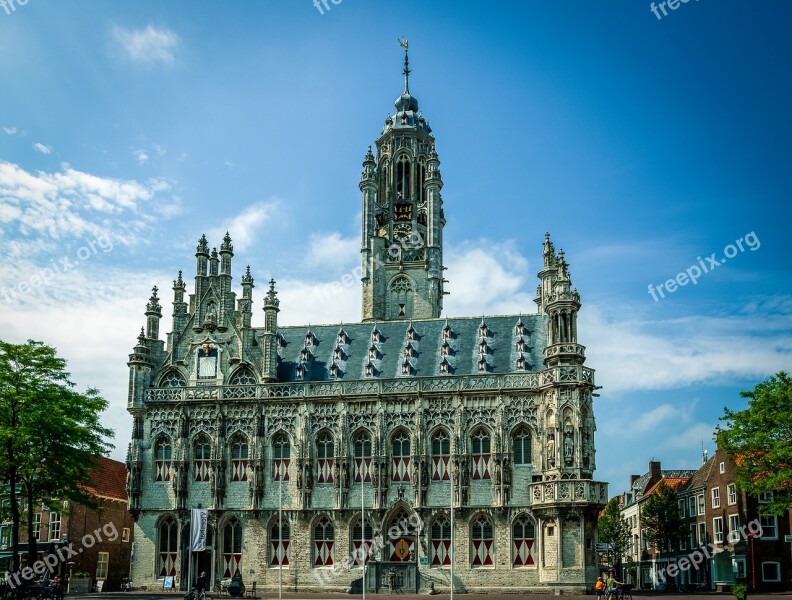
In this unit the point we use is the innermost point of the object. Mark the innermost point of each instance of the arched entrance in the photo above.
(398, 570)
(202, 561)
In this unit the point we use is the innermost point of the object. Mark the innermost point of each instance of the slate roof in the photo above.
(700, 477)
(108, 479)
(316, 348)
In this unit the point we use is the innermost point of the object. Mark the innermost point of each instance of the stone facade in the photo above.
(288, 434)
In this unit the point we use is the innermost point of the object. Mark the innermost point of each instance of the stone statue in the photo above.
(551, 450)
(345, 475)
(507, 474)
(299, 476)
(424, 474)
(496, 475)
(308, 476)
(569, 449)
(415, 475)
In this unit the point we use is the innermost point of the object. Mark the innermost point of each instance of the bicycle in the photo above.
(620, 592)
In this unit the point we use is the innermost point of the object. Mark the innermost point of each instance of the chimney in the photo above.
(654, 469)
(633, 479)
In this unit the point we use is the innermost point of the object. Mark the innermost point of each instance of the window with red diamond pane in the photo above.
(281, 452)
(279, 543)
(324, 458)
(441, 454)
(523, 536)
(202, 456)
(401, 537)
(481, 454)
(482, 548)
(239, 458)
(232, 547)
(324, 537)
(166, 558)
(522, 446)
(441, 542)
(361, 543)
(163, 452)
(400, 456)
(362, 457)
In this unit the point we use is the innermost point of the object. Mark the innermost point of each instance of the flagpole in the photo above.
(363, 551)
(280, 535)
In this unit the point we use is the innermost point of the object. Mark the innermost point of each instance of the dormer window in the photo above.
(309, 339)
(483, 347)
(520, 345)
(446, 332)
(402, 312)
(369, 370)
(444, 349)
(375, 336)
(337, 353)
(373, 352)
(521, 363)
(405, 368)
(483, 329)
(299, 373)
(333, 371)
(520, 328)
(408, 351)
(341, 337)
(411, 334)
(444, 366)
(482, 364)
(305, 354)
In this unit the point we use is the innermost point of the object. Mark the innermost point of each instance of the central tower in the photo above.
(402, 245)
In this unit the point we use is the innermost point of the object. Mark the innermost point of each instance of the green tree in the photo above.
(759, 440)
(660, 516)
(49, 432)
(613, 530)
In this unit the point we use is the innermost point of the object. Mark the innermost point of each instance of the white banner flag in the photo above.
(198, 529)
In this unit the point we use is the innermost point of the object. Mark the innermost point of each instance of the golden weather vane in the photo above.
(404, 43)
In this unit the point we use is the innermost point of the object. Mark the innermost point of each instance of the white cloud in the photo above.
(149, 45)
(244, 226)
(182, 157)
(140, 155)
(652, 419)
(39, 147)
(333, 249)
(159, 150)
(10, 130)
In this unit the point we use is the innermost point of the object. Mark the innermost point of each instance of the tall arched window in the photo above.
(279, 543)
(481, 454)
(401, 537)
(324, 458)
(362, 457)
(243, 376)
(281, 452)
(482, 549)
(361, 543)
(523, 536)
(441, 455)
(232, 547)
(239, 458)
(441, 542)
(202, 456)
(163, 453)
(403, 188)
(522, 446)
(324, 537)
(173, 379)
(166, 557)
(400, 456)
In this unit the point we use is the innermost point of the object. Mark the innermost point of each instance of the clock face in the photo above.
(401, 233)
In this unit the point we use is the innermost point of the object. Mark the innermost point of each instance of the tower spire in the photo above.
(406, 45)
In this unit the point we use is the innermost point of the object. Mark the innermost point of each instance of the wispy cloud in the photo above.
(244, 226)
(39, 147)
(148, 45)
(140, 155)
(10, 130)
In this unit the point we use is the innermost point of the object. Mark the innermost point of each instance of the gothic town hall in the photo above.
(408, 413)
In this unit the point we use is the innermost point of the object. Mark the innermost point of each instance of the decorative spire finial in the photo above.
(406, 45)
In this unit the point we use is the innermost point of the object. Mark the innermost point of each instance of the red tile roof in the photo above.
(673, 482)
(108, 479)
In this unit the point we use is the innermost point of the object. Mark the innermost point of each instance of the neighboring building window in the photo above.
(361, 543)
(125, 534)
(441, 454)
(239, 458)
(702, 534)
(765, 497)
(717, 530)
(37, 526)
(102, 564)
(441, 542)
(400, 456)
(771, 572)
(692, 536)
(715, 497)
(167, 548)
(202, 456)
(722, 467)
(5, 537)
(523, 536)
(54, 526)
(681, 505)
(481, 454)
(324, 458)
(279, 543)
(482, 547)
(162, 460)
(522, 446)
(683, 542)
(232, 547)
(701, 504)
(692, 506)
(769, 526)
(324, 536)
(281, 455)
(734, 529)
(731, 491)
(362, 457)
(741, 568)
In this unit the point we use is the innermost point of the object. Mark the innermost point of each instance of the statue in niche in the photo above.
(551, 449)
(415, 475)
(569, 449)
(345, 475)
(496, 475)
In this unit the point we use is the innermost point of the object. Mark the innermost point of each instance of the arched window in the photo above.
(441, 542)
(481, 454)
(522, 446)
(166, 557)
(361, 543)
(400, 456)
(401, 537)
(324, 458)
(163, 453)
(523, 536)
(244, 376)
(482, 549)
(281, 452)
(279, 543)
(362, 457)
(173, 379)
(232, 547)
(239, 458)
(324, 536)
(202, 456)
(403, 178)
(441, 455)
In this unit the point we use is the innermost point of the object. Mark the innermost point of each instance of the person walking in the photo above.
(599, 588)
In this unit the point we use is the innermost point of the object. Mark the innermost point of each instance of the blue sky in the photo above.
(127, 130)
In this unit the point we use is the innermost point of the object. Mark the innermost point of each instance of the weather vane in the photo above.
(404, 43)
